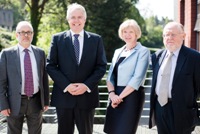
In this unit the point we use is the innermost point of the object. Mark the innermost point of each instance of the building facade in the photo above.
(6, 19)
(189, 16)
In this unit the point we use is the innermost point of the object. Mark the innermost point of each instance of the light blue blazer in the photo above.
(132, 70)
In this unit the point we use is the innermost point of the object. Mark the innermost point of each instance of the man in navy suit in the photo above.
(179, 115)
(75, 89)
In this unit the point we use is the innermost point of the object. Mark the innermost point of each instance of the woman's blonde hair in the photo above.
(130, 23)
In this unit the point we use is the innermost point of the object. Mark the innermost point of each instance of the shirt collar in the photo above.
(80, 34)
(21, 48)
(175, 53)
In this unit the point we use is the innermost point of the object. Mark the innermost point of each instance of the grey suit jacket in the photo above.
(11, 81)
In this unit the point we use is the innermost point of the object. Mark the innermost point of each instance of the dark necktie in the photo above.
(165, 80)
(76, 47)
(28, 87)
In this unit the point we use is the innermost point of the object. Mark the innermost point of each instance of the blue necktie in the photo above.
(28, 86)
(76, 47)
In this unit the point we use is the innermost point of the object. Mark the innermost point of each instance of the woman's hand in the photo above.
(115, 99)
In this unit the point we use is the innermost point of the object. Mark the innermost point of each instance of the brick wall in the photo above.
(187, 15)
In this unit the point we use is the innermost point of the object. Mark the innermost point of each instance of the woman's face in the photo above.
(128, 35)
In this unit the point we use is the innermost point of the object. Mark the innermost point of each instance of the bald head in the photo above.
(174, 25)
(23, 23)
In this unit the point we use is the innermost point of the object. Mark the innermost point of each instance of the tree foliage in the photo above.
(36, 11)
(6, 38)
(154, 28)
(104, 17)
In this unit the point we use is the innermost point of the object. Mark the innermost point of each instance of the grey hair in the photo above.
(22, 23)
(75, 6)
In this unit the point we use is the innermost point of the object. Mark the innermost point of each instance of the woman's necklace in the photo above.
(128, 49)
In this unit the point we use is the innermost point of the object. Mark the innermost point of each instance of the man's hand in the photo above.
(5, 112)
(77, 89)
(45, 108)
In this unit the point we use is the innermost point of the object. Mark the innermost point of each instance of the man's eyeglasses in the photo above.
(170, 35)
(25, 33)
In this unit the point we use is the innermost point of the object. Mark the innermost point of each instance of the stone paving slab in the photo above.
(98, 129)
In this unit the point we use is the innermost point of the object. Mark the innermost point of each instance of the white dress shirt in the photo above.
(34, 68)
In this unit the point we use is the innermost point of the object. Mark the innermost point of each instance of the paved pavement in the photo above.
(98, 129)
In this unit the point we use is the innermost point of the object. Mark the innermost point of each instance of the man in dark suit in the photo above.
(178, 112)
(76, 75)
(24, 89)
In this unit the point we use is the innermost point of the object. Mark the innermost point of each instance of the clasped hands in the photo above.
(115, 100)
(76, 89)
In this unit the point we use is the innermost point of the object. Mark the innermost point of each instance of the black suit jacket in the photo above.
(185, 88)
(63, 69)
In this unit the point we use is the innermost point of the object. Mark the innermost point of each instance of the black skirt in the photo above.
(124, 119)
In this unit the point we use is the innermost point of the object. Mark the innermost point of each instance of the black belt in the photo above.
(169, 99)
(29, 97)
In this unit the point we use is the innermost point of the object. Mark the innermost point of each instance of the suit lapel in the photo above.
(157, 66)
(133, 51)
(16, 56)
(117, 54)
(180, 61)
(86, 46)
(37, 58)
(69, 44)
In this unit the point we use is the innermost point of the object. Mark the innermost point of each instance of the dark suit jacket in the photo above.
(63, 69)
(185, 88)
(11, 82)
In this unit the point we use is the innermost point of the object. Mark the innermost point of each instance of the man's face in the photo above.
(24, 35)
(173, 37)
(76, 21)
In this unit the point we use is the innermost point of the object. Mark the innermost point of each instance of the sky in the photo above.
(161, 8)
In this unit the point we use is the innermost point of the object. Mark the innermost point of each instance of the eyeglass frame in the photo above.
(171, 35)
(28, 33)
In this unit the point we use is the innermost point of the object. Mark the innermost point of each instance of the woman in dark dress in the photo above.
(125, 79)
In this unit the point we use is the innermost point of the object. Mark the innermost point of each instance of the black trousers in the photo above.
(165, 120)
(67, 118)
(31, 110)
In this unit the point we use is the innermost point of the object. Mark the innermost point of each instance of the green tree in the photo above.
(105, 17)
(53, 21)
(36, 11)
(6, 38)
(154, 27)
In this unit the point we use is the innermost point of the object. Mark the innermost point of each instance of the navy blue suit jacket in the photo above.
(185, 88)
(64, 70)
